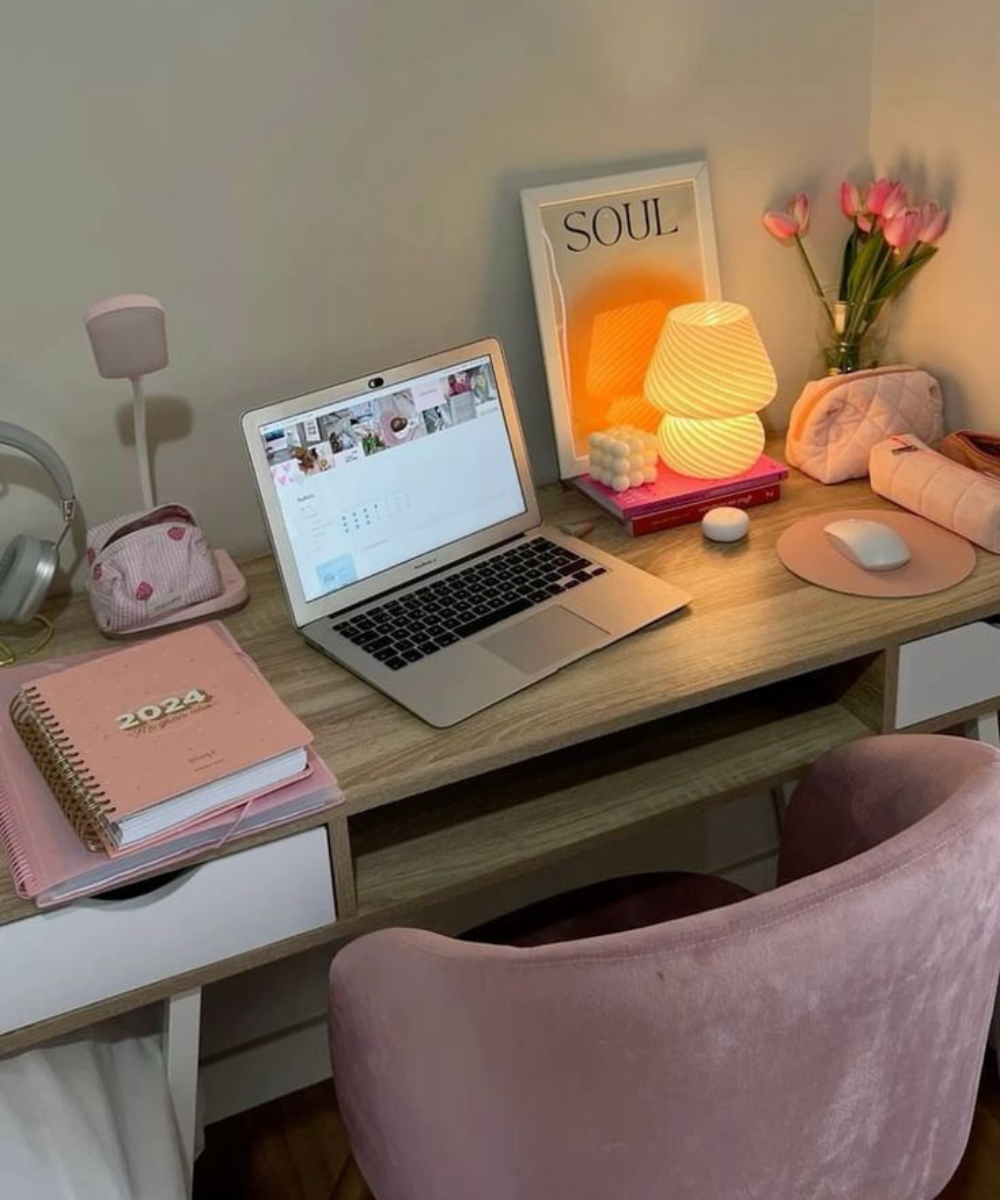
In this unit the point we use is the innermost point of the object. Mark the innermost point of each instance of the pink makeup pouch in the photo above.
(909, 473)
(147, 564)
(836, 421)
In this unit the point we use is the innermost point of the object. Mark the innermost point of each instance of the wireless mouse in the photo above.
(868, 544)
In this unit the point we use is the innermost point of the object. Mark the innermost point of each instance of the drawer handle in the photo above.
(139, 889)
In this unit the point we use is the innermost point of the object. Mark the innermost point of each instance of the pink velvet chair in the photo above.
(823, 1040)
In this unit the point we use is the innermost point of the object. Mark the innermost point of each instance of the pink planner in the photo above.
(48, 861)
(145, 740)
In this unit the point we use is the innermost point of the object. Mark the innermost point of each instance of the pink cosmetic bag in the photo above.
(916, 477)
(148, 564)
(836, 421)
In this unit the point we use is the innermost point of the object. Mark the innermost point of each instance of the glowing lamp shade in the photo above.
(710, 375)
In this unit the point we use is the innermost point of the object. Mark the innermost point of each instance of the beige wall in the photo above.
(936, 121)
(319, 187)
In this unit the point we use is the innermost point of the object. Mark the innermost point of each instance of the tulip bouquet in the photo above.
(890, 240)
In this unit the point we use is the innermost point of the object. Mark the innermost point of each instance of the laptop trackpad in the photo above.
(538, 641)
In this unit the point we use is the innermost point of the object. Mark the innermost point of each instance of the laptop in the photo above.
(407, 534)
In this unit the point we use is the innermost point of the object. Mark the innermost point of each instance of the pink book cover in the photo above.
(688, 513)
(672, 490)
(191, 702)
(48, 861)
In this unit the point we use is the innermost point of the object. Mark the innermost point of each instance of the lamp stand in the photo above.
(142, 442)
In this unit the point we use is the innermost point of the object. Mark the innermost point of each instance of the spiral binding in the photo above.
(77, 791)
(12, 837)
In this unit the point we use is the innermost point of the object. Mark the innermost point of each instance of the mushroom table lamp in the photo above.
(710, 375)
(128, 335)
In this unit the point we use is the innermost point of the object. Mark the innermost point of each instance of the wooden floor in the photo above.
(295, 1149)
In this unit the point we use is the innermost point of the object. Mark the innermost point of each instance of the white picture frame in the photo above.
(650, 238)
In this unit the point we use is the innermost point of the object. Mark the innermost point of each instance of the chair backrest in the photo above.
(821, 1040)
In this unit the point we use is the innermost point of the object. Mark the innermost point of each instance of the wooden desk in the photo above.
(757, 678)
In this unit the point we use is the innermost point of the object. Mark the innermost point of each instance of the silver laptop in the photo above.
(406, 528)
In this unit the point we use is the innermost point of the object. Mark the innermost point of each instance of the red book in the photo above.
(672, 491)
(672, 517)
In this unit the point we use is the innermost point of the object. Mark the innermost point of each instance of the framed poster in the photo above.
(609, 259)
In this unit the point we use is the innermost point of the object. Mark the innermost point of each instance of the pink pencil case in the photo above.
(907, 471)
(148, 564)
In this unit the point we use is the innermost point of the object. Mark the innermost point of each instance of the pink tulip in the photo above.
(894, 203)
(799, 208)
(793, 222)
(850, 199)
(933, 223)
(781, 225)
(901, 230)
(881, 191)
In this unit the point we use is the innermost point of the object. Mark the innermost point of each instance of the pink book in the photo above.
(689, 513)
(143, 741)
(672, 490)
(51, 865)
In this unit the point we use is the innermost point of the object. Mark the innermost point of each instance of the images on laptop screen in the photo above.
(372, 481)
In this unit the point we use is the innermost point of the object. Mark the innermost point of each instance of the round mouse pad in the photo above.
(938, 559)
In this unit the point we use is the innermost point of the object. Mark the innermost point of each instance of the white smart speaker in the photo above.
(725, 524)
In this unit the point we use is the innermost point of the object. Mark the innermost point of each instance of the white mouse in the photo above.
(868, 544)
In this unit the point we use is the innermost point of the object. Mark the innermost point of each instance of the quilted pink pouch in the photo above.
(836, 421)
(148, 564)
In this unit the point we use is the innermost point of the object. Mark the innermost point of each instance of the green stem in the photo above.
(859, 317)
(817, 288)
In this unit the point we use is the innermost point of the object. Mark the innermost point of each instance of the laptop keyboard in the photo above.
(422, 622)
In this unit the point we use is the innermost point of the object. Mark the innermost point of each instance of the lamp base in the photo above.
(711, 449)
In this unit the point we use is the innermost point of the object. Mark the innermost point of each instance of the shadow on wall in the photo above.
(168, 419)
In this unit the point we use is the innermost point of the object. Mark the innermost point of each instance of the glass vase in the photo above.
(852, 335)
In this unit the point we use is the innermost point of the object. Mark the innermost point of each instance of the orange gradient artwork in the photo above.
(612, 332)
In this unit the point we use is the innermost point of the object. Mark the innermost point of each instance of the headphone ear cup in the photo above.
(27, 568)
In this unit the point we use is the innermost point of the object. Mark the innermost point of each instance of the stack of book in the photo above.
(678, 499)
(116, 765)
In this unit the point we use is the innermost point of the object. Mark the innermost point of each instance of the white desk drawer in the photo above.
(92, 949)
(947, 672)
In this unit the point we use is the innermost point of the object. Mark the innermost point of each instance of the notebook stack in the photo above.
(118, 764)
(679, 500)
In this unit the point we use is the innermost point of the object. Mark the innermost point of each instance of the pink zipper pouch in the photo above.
(147, 564)
(836, 421)
(912, 475)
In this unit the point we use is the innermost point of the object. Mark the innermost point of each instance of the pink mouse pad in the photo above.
(938, 559)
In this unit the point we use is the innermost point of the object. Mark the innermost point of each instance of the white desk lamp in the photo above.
(128, 335)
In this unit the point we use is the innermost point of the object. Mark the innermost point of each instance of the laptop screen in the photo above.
(377, 479)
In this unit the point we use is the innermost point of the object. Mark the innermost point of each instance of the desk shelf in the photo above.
(514, 822)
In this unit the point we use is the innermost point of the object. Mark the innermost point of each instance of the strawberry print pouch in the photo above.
(147, 564)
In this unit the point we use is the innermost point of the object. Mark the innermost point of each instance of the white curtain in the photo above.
(89, 1118)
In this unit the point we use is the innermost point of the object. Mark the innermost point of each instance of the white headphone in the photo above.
(28, 564)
